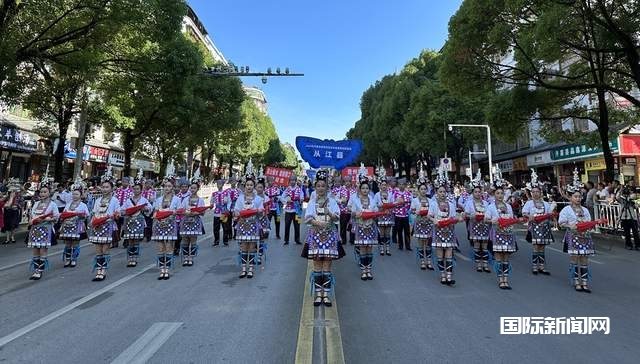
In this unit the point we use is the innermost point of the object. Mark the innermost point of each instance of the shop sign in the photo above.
(630, 144)
(144, 164)
(595, 164)
(98, 154)
(506, 166)
(18, 140)
(116, 159)
(580, 150)
(631, 161)
(520, 164)
(538, 159)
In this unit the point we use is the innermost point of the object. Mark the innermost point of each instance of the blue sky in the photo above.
(342, 47)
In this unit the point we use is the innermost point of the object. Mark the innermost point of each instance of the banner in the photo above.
(328, 153)
(18, 140)
(280, 175)
(352, 172)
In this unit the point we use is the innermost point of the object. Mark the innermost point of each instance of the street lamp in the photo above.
(470, 165)
(451, 126)
(231, 70)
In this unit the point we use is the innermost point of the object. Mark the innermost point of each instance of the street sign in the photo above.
(445, 164)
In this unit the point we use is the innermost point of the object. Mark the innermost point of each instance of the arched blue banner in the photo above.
(328, 153)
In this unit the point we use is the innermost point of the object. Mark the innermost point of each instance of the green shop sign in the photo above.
(580, 150)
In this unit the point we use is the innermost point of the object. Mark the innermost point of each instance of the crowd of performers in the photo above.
(337, 213)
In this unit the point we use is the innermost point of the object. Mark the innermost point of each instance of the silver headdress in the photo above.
(534, 180)
(576, 185)
(442, 180)
(422, 178)
(14, 185)
(108, 175)
(170, 172)
(196, 178)
(139, 177)
(362, 174)
(78, 184)
(477, 181)
(249, 175)
(381, 174)
(498, 181)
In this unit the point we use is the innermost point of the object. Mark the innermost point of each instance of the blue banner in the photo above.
(328, 153)
(311, 173)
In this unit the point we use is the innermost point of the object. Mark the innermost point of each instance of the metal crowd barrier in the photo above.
(611, 212)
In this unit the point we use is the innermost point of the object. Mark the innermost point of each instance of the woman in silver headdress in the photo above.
(73, 228)
(577, 242)
(103, 225)
(43, 214)
(539, 233)
(323, 239)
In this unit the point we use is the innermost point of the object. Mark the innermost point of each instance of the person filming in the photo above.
(628, 217)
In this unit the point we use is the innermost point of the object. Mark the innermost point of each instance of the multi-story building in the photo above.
(257, 96)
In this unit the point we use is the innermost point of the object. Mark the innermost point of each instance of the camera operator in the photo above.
(628, 216)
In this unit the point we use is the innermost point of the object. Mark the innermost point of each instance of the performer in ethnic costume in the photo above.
(101, 234)
(366, 230)
(422, 226)
(444, 238)
(248, 209)
(385, 223)
(165, 228)
(134, 224)
(503, 238)
(221, 212)
(122, 194)
(478, 230)
(292, 197)
(323, 242)
(191, 225)
(182, 194)
(150, 194)
(539, 232)
(274, 192)
(343, 194)
(579, 244)
(264, 220)
(73, 229)
(43, 215)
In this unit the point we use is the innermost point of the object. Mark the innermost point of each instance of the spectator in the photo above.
(12, 210)
(590, 197)
(603, 192)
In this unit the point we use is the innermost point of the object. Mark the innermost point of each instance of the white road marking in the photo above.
(463, 257)
(560, 251)
(148, 344)
(54, 315)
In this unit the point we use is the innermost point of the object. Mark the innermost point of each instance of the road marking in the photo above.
(463, 257)
(335, 352)
(29, 260)
(148, 344)
(304, 347)
(560, 251)
(52, 316)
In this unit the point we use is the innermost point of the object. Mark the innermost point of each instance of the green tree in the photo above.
(547, 60)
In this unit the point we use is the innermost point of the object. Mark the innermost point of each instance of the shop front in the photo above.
(569, 157)
(116, 160)
(542, 163)
(16, 147)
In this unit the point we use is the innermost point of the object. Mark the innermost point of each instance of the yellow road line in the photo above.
(304, 348)
(335, 353)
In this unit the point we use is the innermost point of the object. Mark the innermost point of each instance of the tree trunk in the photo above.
(163, 167)
(603, 132)
(127, 144)
(82, 135)
(58, 154)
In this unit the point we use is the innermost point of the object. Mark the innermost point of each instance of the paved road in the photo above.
(205, 314)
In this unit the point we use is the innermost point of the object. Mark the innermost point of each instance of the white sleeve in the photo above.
(239, 204)
(415, 204)
(311, 209)
(333, 207)
(565, 217)
(175, 203)
(469, 208)
(526, 209)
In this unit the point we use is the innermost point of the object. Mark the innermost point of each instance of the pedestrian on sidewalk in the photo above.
(42, 217)
(12, 210)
